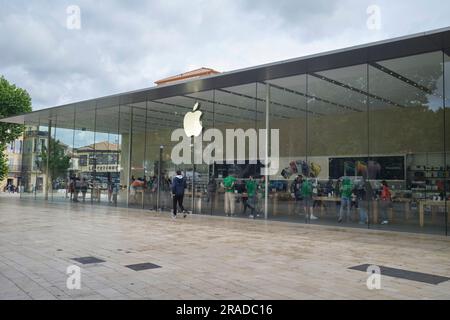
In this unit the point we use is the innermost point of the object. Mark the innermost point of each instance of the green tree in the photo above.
(13, 101)
(58, 160)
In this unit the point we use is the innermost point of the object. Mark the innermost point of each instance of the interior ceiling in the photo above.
(396, 83)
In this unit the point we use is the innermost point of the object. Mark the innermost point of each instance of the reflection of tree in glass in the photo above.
(58, 160)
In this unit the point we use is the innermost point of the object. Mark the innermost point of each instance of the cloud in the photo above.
(127, 45)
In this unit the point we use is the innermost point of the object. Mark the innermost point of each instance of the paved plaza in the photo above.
(202, 257)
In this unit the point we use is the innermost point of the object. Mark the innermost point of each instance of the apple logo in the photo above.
(192, 123)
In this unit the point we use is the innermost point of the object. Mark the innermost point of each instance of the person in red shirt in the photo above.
(385, 202)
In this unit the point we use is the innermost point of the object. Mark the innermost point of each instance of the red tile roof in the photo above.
(198, 73)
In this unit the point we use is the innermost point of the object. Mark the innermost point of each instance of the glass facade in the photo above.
(364, 145)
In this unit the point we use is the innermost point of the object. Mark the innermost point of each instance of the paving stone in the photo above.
(202, 257)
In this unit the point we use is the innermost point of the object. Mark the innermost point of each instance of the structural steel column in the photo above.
(130, 142)
(158, 194)
(49, 135)
(266, 156)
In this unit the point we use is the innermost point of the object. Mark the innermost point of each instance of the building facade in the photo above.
(13, 153)
(374, 117)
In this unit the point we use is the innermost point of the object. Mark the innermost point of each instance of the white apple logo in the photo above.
(192, 123)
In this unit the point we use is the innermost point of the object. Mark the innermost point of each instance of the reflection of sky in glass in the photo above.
(83, 138)
(434, 102)
(64, 135)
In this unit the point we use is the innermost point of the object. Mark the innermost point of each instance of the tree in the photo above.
(58, 160)
(13, 101)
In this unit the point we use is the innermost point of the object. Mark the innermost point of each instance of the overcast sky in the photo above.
(127, 45)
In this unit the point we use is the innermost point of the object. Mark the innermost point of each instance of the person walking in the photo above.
(230, 198)
(178, 186)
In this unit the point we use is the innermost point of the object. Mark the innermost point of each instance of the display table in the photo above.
(407, 203)
(134, 196)
(432, 204)
(325, 199)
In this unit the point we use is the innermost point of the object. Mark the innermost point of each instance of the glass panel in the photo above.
(125, 129)
(288, 115)
(163, 116)
(39, 165)
(231, 174)
(200, 175)
(446, 55)
(61, 164)
(138, 179)
(337, 147)
(84, 159)
(406, 126)
(31, 163)
(108, 154)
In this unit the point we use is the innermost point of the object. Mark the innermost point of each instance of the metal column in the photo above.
(158, 196)
(49, 135)
(266, 156)
(130, 142)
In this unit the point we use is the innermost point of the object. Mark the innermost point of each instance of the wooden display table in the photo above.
(407, 204)
(325, 199)
(431, 203)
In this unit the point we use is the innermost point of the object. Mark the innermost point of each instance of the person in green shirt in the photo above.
(307, 192)
(346, 196)
(229, 184)
(250, 186)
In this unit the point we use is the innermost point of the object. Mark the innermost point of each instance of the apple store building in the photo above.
(358, 137)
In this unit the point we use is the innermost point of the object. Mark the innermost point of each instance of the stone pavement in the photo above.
(202, 257)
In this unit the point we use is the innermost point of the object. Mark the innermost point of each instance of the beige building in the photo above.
(13, 153)
(101, 157)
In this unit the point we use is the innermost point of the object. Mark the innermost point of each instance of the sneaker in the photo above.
(384, 222)
(251, 216)
(174, 216)
(313, 217)
(184, 214)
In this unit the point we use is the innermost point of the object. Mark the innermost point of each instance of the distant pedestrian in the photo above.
(250, 187)
(84, 188)
(178, 186)
(77, 187)
(346, 196)
(229, 184)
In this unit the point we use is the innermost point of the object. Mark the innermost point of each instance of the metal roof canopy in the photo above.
(369, 53)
